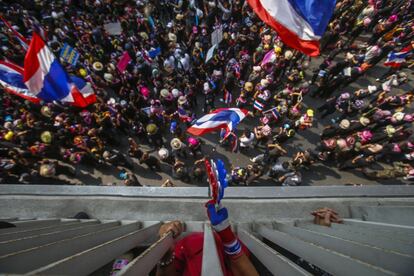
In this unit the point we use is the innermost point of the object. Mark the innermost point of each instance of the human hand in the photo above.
(218, 217)
(325, 216)
(176, 227)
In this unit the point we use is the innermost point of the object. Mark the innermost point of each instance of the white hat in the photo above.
(108, 77)
(170, 25)
(175, 92)
(288, 54)
(264, 82)
(163, 153)
(176, 144)
(257, 68)
(372, 88)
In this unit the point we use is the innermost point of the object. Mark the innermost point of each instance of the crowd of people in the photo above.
(174, 76)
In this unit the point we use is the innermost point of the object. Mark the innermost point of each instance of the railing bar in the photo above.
(271, 259)
(144, 263)
(330, 261)
(23, 243)
(18, 230)
(211, 263)
(373, 255)
(99, 255)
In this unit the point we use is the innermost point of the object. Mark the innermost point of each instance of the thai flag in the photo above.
(11, 79)
(227, 118)
(217, 174)
(182, 114)
(228, 98)
(395, 59)
(275, 113)
(45, 77)
(299, 23)
(258, 105)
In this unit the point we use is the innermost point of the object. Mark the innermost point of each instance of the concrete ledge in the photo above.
(203, 192)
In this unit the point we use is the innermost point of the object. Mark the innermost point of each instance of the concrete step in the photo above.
(402, 215)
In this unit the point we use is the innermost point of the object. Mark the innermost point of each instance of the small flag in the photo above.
(275, 113)
(395, 59)
(258, 105)
(228, 98)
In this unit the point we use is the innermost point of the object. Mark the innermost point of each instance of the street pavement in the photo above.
(319, 174)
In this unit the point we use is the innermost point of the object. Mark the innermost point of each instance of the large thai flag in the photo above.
(395, 59)
(45, 77)
(11, 79)
(299, 23)
(227, 118)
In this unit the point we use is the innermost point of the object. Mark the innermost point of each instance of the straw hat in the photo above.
(264, 82)
(176, 144)
(309, 112)
(164, 93)
(182, 100)
(97, 66)
(390, 130)
(288, 54)
(248, 86)
(108, 77)
(46, 137)
(163, 153)
(364, 121)
(399, 116)
(47, 170)
(172, 37)
(45, 111)
(179, 16)
(151, 129)
(344, 124)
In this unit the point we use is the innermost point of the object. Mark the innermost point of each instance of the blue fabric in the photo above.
(222, 178)
(80, 83)
(56, 84)
(225, 115)
(14, 79)
(154, 52)
(316, 12)
(217, 216)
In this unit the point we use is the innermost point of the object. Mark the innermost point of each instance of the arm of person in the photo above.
(176, 227)
(242, 266)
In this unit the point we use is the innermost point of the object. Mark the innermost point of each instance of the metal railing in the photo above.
(376, 237)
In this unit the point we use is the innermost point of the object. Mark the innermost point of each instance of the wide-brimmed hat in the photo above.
(46, 111)
(151, 129)
(97, 66)
(163, 153)
(182, 100)
(46, 137)
(372, 88)
(176, 144)
(47, 170)
(108, 77)
(248, 86)
(398, 116)
(179, 16)
(264, 82)
(164, 93)
(364, 121)
(344, 124)
(172, 37)
(390, 130)
(310, 112)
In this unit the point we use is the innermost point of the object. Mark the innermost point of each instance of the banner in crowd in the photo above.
(123, 62)
(69, 54)
(113, 28)
(210, 52)
(217, 36)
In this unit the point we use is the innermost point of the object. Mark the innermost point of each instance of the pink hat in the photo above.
(192, 141)
(144, 91)
(408, 117)
(195, 30)
(365, 135)
(393, 18)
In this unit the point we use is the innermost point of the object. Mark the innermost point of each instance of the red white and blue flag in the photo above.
(228, 98)
(217, 178)
(227, 118)
(299, 23)
(258, 105)
(45, 77)
(11, 79)
(395, 59)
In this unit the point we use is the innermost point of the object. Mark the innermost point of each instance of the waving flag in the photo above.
(227, 118)
(395, 59)
(11, 79)
(217, 174)
(299, 23)
(45, 77)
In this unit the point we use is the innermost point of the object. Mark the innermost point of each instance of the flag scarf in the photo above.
(45, 77)
(227, 118)
(299, 23)
(395, 59)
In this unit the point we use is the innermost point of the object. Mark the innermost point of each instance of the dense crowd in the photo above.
(156, 98)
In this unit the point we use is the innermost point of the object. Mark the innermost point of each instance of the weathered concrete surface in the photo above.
(155, 209)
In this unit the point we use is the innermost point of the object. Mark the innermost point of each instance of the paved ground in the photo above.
(320, 174)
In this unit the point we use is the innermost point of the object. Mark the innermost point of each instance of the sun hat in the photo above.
(97, 66)
(257, 68)
(398, 116)
(47, 170)
(164, 93)
(372, 88)
(364, 121)
(390, 130)
(46, 137)
(248, 86)
(151, 129)
(182, 100)
(108, 77)
(344, 124)
(309, 112)
(163, 153)
(264, 82)
(176, 144)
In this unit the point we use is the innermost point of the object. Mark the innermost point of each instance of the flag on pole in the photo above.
(395, 59)
(22, 40)
(216, 173)
(258, 105)
(299, 23)
(11, 79)
(45, 77)
(227, 118)
(228, 98)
